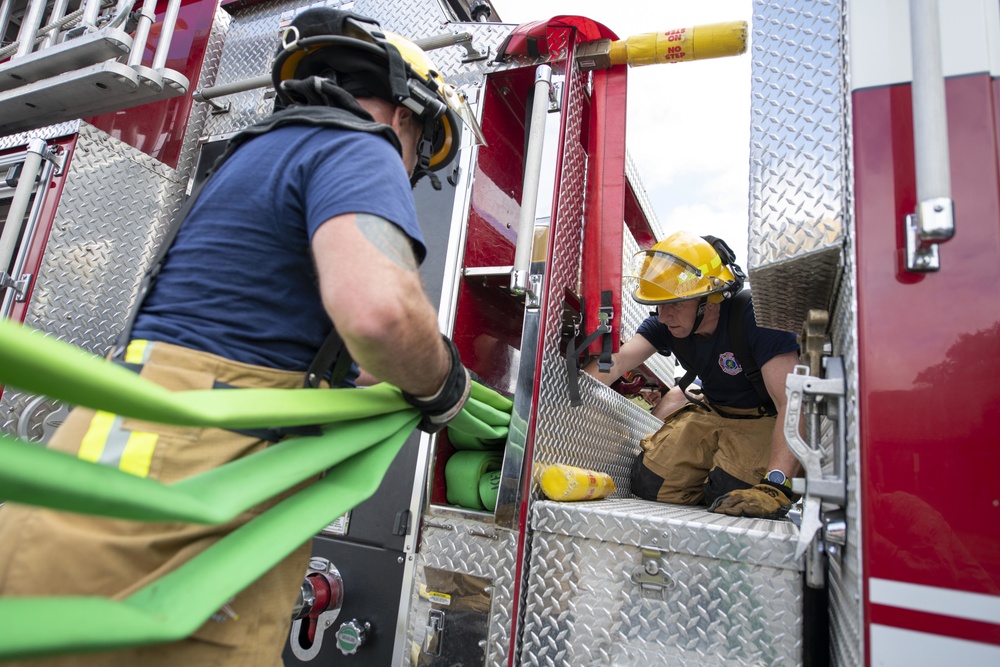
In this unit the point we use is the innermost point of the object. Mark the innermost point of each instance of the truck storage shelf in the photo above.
(91, 91)
(87, 50)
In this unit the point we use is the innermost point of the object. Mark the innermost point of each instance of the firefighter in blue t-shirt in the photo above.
(726, 448)
(308, 224)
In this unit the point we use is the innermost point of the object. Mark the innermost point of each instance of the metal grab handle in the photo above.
(166, 35)
(19, 204)
(934, 219)
(532, 173)
(800, 388)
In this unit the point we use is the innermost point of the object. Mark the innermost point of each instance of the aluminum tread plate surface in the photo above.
(463, 545)
(253, 38)
(675, 528)
(802, 236)
(116, 205)
(583, 607)
(798, 159)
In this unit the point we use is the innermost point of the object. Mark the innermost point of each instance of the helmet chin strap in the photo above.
(425, 148)
(700, 315)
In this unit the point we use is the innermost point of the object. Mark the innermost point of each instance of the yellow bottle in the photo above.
(563, 482)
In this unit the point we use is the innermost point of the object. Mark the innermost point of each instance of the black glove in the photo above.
(766, 500)
(445, 405)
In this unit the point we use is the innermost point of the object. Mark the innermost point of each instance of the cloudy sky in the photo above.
(688, 123)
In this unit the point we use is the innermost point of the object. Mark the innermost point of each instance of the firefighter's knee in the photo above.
(645, 483)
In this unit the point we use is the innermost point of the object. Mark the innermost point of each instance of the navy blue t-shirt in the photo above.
(239, 280)
(713, 359)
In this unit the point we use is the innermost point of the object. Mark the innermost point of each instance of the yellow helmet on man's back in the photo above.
(682, 267)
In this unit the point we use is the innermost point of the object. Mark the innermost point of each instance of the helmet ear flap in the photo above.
(725, 252)
(728, 258)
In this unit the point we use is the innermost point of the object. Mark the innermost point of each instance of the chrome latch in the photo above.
(19, 285)
(435, 632)
(811, 398)
(653, 579)
(931, 225)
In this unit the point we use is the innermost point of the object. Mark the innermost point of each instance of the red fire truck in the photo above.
(874, 226)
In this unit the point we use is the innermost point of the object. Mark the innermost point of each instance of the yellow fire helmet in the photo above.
(682, 267)
(356, 54)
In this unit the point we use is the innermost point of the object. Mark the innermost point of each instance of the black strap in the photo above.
(681, 347)
(741, 348)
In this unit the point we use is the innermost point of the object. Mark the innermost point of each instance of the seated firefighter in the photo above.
(727, 448)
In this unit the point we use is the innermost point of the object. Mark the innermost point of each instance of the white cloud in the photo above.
(688, 124)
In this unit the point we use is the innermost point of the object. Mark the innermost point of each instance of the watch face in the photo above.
(776, 476)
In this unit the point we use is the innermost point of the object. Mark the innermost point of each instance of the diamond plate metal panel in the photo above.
(802, 236)
(632, 174)
(583, 606)
(614, 425)
(457, 544)
(115, 207)
(200, 112)
(676, 528)
(798, 159)
(44, 133)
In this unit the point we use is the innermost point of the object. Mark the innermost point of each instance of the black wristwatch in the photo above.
(778, 477)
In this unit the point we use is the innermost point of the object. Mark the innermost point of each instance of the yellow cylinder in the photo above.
(714, 40)
(563, 482)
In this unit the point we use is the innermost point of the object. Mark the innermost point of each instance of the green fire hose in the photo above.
(365, 430)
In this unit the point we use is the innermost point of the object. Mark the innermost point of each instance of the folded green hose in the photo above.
(215, 496)
(176, 605)
(365, 429)
(41, 365)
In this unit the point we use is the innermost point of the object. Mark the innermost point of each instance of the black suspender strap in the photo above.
(681, 347)
(741, 348)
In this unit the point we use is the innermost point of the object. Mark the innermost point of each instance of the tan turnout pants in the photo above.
(43, 552)
(694, 441)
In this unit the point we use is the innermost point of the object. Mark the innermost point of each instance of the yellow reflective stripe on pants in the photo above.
(137, 352)
(97, 434)
(107, 443)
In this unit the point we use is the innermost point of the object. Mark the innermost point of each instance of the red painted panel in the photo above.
(605, 209)
(496, 194)
(635, 220)
(157, 129)
(936, 624)
(50, 204)
(488, 319)
(929, 349)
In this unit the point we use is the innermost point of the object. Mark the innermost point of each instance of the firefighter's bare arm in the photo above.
(632, 353)
(371, 289)
(774, 373)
